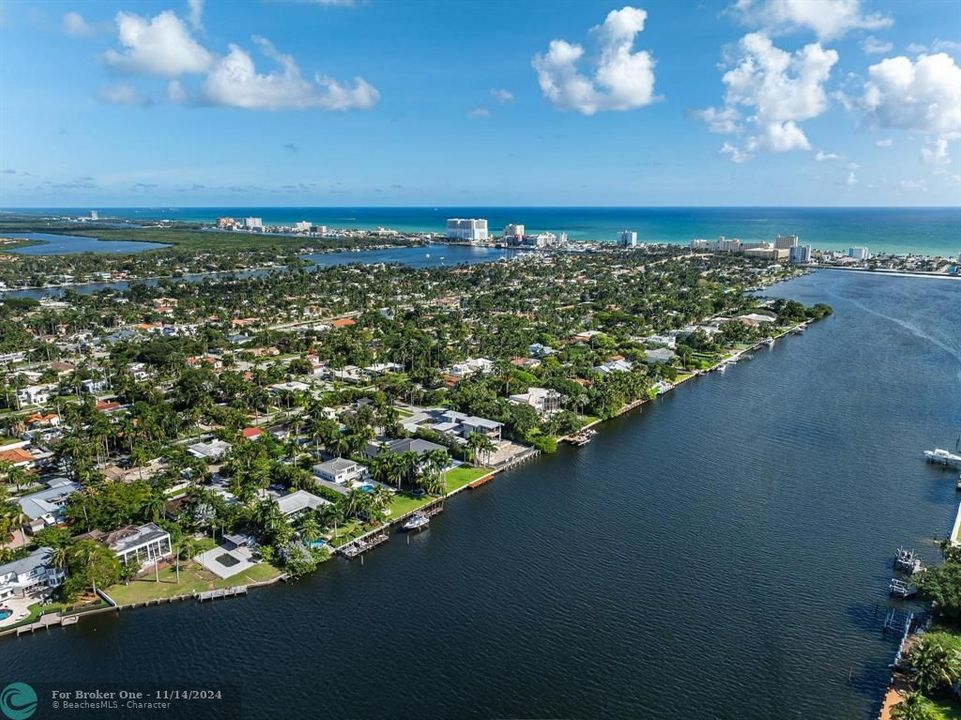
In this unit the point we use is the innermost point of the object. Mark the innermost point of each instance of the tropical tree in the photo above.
(936, 661)
(90, 564)
(915, 706)
(480, 444)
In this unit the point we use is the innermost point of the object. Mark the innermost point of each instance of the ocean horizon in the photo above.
(901, 230)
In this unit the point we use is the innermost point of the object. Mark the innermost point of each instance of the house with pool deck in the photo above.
(29, 574)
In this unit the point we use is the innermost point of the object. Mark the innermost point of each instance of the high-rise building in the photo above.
(800, 253)
(302, 226)
(469, 229)
(627, 238)
(253, 223)
(786, 241)
(859, 253)
(94, 215)
(726, 245)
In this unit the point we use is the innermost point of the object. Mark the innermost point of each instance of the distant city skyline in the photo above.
(333, 103)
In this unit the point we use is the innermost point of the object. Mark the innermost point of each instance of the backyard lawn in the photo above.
(460, 476)
(193, 578)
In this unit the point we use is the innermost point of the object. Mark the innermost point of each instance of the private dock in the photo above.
(907, 561)
(362, 545)
(900, 589)
(222, 593)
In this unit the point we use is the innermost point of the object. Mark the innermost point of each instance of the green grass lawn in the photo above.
(588, 419)
(947, 709)
(402, 504)
(460, 476)
(193, 578)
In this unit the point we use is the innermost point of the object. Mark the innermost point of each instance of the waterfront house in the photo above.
(543, 400)
(455, 424)
(619, 365)
(756, 319)
(404, 445)
(145, 544)
(29, 574)
(659, 356)
(212, 450)
(340, 470)
(297, 503)
(45, 508)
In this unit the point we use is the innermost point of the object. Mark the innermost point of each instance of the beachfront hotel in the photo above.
(467, 229)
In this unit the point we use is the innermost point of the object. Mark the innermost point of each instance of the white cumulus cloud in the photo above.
(923, 95)
(235, 82)
(622, 79)
(157, 46)
(502, 96)
(780, 89)
(821, 156)
(829, 19)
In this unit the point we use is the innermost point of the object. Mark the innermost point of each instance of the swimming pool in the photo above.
(5, 613)
(367, 488)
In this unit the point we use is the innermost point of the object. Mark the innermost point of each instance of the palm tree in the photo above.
(480, 444)
(355, 502)
(188, 547)
(308, 527)
(914, 706)
(936, 662)
(436, 462)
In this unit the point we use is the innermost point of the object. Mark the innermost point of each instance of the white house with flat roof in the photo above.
(340, 470)
(213, 450)
(34, 394)
(543, 400)
(29, 574)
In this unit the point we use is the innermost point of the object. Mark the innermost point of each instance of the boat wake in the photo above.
(911, 328)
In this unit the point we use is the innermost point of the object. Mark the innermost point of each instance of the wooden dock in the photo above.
(362, 545)
(222, 593)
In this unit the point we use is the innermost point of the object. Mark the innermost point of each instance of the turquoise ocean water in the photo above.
(929, 231)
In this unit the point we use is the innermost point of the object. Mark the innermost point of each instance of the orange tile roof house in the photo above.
(343, 322)
(18, 457)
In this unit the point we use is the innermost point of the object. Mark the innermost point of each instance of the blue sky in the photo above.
(384, 102)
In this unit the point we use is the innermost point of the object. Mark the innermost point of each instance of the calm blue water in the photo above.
(72, 244)
(931, 231)
(723, 553)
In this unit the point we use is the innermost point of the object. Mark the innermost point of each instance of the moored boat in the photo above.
(416, 522)
(582, 438)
